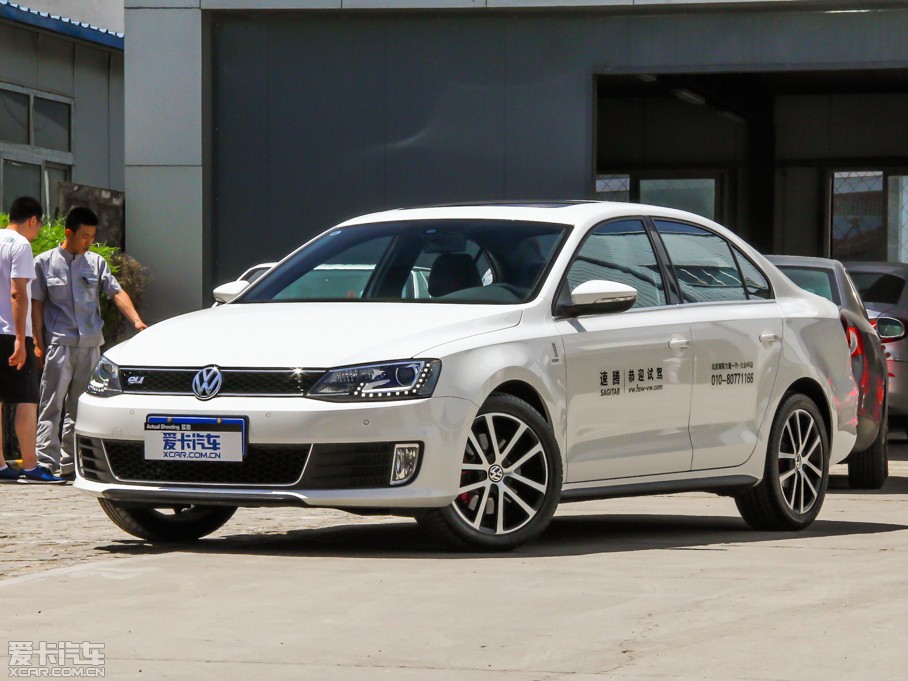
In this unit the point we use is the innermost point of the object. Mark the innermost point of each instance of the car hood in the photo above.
(318, 335)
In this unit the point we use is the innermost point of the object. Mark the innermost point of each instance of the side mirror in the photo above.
(889, 329)
(227, 292)
(599, 297)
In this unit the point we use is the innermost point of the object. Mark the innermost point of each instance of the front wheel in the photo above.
(510, 480)
(797, 470)
(168, 524)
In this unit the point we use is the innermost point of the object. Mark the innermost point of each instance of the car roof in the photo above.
(561, 212)
(805, 261)
(898, 268)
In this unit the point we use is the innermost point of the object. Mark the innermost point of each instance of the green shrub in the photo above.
(52, 235)
(133, 278)
(132, 275)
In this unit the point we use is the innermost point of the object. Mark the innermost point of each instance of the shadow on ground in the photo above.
(567, 536)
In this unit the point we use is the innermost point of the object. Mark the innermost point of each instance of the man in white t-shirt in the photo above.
(19, 373)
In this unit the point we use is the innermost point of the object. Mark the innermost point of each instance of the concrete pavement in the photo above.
(669, 587)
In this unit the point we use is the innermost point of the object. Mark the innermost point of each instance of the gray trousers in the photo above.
(66, 374)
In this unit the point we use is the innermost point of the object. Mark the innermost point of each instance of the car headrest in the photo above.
(452, 272)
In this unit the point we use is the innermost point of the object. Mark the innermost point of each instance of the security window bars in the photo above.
(869, 215)
(35, 144)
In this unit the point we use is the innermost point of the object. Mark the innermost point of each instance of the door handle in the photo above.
(679, 343)
(769, 337)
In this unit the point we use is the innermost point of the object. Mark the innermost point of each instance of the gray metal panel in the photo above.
(325, 115)
(358, 113)
(549, 108)
(19, 56)
(477, 4)
(117, 135)
(169, 4)
(55, 65)
(242, 172)
(90, 128)
(702, 41)
(163, 235)
(445, 110)
(163, 109)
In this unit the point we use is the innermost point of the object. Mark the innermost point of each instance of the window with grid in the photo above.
(35, 145)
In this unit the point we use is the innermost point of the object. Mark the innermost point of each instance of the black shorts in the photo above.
(18, 386)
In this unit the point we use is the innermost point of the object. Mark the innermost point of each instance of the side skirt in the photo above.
(723, 485)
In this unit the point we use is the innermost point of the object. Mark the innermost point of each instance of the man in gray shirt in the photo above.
(66, 320)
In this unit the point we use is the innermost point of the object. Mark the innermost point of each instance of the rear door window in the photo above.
(703, 263)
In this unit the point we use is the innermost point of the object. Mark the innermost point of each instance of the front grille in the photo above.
(236, 382)
(263, 465)
(338, 466)
(349, 466)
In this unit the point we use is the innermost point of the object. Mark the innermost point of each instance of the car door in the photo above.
(736, 333)
(628, 374)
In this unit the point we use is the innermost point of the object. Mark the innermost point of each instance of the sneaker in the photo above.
(9, 474)
(39, 475)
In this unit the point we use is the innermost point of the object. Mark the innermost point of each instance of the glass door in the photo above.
(869, 215)
(699, 193)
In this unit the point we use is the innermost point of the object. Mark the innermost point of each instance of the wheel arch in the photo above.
(527, 393)
(810, 388)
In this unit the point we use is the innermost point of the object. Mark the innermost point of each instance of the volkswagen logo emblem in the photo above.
(496, 473)
(207, 383)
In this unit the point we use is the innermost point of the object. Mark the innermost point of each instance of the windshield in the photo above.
(438, 261)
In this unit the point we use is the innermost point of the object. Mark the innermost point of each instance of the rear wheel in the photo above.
(870, 468)
(170, 523)
(510, 480)
(797, 470)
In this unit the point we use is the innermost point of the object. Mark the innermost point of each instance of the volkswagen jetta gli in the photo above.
(562, 351)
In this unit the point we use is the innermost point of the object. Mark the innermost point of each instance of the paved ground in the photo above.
(670, 587)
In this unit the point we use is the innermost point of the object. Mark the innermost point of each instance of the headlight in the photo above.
(105, 379)
(407, 379)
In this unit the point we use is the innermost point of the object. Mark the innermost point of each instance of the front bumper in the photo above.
(337, 449)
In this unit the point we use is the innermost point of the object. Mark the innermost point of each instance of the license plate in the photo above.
(195, 438)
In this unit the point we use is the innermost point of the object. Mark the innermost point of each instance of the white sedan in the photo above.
(564, 351)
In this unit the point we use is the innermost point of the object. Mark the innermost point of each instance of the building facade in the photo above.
(266, 121)
(61, 105)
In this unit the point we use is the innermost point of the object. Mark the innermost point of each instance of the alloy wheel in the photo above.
(504, 476)
(800, 462)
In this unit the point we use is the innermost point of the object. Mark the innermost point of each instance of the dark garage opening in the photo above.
(810, 163)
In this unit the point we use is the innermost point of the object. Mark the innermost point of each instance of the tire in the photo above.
(870, 468)
(511, 480)
(181, 523)
(791, 493)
